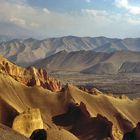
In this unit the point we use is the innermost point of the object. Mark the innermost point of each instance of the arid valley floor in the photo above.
(127, 84)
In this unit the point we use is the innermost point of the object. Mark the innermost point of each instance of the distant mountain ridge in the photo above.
(91, 62)
(130, 67)
(28, 51)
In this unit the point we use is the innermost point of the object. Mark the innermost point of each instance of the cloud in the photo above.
(88, 1)
(35, 25)
(134, 21)
(94, 12)
(16, 1)
(125, 4)
(18, 21)
(122, 3)
(46, 10)
(22, 14)
(21, 19)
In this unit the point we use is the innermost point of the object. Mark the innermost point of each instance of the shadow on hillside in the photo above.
(83, 125)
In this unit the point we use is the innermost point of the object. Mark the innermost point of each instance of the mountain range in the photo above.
(28, 51)
(91, 62)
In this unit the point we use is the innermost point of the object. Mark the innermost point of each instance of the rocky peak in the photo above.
(29, 76)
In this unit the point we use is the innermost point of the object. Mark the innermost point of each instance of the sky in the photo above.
(55, 18)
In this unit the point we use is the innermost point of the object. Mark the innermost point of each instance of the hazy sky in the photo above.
(52, 18)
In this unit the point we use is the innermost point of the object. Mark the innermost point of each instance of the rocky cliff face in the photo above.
(29, 76)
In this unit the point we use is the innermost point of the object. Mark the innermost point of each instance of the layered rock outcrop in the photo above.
(29, 76)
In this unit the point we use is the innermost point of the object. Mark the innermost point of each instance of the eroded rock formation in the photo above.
(28, 121)
(29, 76)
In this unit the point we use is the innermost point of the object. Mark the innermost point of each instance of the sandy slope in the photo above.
(21, 97)
(9, 134)
(59, 134)
(109, 107)
(124, 113)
